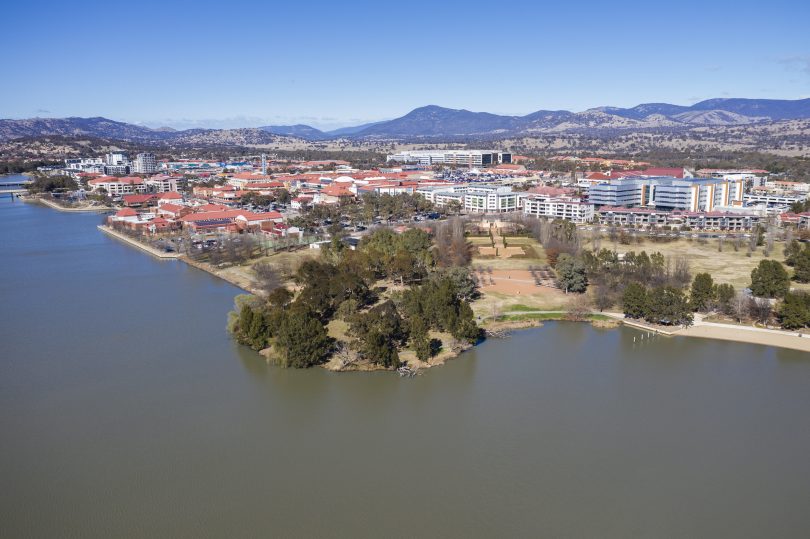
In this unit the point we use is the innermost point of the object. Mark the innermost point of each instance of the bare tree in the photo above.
(266, 278)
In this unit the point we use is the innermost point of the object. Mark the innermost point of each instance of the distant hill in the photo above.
(437, 122)
(434, 122)
(299, 130)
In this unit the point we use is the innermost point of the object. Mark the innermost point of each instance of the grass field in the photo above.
(728, 266)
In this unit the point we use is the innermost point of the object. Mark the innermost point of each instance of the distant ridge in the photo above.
(435, 122)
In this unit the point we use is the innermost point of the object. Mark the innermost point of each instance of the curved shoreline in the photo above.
(57, 207)
(703, 330)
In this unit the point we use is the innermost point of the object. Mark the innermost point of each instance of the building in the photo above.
(492, 199)
(561, 207)
(145, 163)
(117, 187)
(669, 193)
(161, 183)
(116, 158)
(772, 198)
(85, 164)
(471, 158)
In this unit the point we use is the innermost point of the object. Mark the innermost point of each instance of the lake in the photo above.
(127, 411)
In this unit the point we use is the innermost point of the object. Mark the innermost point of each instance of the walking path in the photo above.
(151, 250)
(711, 330)
(54, 205)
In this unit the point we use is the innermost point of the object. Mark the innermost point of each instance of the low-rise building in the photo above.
(561, 207)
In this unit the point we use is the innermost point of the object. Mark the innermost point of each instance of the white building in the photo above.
(161, 184)
(568, 208)
(471, 158)
(117, 187)
(145, 163)
(492, 199)
(116, 158)
(85, 164)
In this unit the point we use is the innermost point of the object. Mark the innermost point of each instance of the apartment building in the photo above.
(568, 208)
(118, 187)
(145, 163)
(492, 199)
(161, 183)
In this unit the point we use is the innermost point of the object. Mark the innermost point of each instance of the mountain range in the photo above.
(434, 122)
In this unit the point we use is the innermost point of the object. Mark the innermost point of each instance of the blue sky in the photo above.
(329, 64)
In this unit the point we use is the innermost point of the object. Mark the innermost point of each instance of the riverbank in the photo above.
(78, 209)
(131, 241)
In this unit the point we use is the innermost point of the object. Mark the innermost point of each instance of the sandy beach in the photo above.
(782, 339)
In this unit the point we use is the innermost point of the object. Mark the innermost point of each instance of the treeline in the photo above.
(41, 183)
(19, 166)
(344, 285)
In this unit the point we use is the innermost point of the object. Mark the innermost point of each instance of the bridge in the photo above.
(15, 183)
(13, 193)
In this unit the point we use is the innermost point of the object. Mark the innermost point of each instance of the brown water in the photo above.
(126, 411)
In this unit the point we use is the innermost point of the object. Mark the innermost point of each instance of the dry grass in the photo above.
(728, 266)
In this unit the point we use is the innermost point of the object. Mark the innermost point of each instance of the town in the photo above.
(534, 238)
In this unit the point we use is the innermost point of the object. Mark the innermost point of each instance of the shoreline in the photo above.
(702, 330)
(152, 251)
(57, 207)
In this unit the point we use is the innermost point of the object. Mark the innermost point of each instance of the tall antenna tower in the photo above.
(264, 164)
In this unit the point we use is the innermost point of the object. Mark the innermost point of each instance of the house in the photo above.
(138, 201)
(234, 220)
(169, 197)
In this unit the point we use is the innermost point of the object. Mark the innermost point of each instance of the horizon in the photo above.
(330, 66)
(233, 123)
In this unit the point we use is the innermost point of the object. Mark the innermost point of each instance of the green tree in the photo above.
(792, 251)
(769, 279)
(724, 294)
(302, 340)
(571, 274)
(702, 292)
(794, 312)
(801, 269)
(379, 333)
(634, 300)
(667, 305)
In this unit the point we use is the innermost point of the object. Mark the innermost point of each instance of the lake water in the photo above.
(126, 411)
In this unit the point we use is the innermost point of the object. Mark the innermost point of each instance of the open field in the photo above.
(728, 266)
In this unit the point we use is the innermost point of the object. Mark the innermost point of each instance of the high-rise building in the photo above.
(116, 159)
(145, 163)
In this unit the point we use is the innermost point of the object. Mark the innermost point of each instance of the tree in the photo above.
(724, 296)
(801, 270)
(571, 275)
(378, 333)
(794, 312)
(760, 309)
(266, 279)
(302, 340)
(702, 292)
(792, 251)
(769, 279)
(634, 300)
(667, 305)
(602, 298)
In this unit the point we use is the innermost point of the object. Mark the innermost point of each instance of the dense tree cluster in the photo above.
(611, 274)
(41, 183)
(344, 284)
(665, 305)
